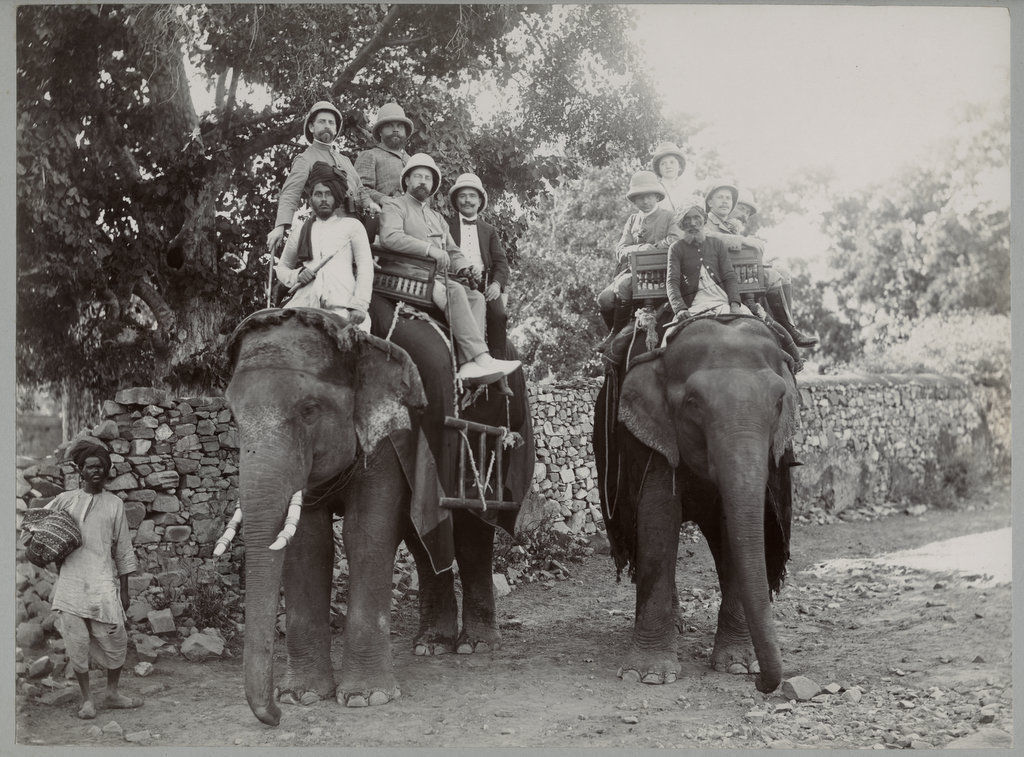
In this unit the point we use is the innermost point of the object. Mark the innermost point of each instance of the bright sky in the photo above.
(860, 89)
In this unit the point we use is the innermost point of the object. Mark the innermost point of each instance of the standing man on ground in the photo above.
(91, 592)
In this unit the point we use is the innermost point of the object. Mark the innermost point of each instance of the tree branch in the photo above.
(375, 43)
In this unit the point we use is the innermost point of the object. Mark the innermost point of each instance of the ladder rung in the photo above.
(467, 503)
(465, 425)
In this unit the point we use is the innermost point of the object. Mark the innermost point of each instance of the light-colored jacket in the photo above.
(408, 225)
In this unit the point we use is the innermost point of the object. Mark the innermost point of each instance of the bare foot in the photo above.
(121, 702)
(88, 710)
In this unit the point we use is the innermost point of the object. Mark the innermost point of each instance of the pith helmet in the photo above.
(665, 149)
(389, 113)
(468, 181)
(645, 182)
(716, 184)
(747, 198)
(422, 160)
(317, 107)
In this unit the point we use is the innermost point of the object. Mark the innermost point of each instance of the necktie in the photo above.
(470, 223)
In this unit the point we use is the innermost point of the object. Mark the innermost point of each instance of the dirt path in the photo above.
(930, 653)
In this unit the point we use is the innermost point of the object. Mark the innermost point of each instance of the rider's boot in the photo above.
(778, 303)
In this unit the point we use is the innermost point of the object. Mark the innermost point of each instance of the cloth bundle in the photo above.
(49, 536)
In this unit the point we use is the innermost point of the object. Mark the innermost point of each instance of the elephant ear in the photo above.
(643, 408)
(387, 386)
(788, 418)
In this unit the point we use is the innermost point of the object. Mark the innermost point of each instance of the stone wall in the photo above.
(861, 439)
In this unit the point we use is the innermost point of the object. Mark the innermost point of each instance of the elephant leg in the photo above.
(308, 574)
(374, 514)
(733, 651)
(474, 545)
(438, 609)
(652, 654)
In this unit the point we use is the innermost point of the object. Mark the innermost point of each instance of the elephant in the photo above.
(701, 430)
(340, 422)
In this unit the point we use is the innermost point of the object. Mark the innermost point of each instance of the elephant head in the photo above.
(719, 403)
(307, 393)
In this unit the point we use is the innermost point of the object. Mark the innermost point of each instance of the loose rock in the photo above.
(800, 688)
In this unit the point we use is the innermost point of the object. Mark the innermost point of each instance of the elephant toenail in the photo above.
(629, 676)
(653, 678)
(379, 697)
(737, 668)
(464, 648)
(310, 697)
(356, 700)
(670, 678)
(419, 650)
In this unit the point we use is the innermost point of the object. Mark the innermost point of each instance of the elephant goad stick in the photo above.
(296, 287)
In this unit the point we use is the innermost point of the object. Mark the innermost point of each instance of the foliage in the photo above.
(141, 222)
(934, 238)
(534, 549)
(965, 343)
(567, 258)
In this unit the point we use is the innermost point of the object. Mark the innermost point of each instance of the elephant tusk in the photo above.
(229, 533)
(291, 522)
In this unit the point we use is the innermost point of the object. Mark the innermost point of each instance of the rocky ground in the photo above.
(876, 656)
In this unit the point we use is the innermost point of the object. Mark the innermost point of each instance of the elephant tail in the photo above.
(778, 519)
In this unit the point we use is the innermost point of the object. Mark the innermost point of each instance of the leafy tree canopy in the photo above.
(140, 220)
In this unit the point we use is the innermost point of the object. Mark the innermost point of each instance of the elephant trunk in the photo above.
(267, 483)
(741, 475)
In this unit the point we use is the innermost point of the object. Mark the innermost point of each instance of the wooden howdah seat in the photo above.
(650, 274)
(405, 277)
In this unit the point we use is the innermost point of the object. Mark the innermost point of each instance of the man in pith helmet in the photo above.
(380, 167)
(408, 224)
(321, 126)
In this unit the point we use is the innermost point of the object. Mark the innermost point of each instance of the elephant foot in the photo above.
(369, 698)
(650, 667)
(737, 658)
(484, 640)
(304, 698)
(432, 643)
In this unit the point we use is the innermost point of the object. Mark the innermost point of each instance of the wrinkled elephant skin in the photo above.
(703, 434)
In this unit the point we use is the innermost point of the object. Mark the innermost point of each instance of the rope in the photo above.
(399, 307)
(480, 485)
(645, 319)
(456, 381)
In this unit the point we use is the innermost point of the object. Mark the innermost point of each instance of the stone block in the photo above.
(144, 495)
(167, 479)
(105, 430)
(134, 512)
(161, 621)
(40, 667)
(186, 444)
(28, 634)
(201, 646)
(166, 519)
(141, 446)
(185, 465)
(170, 578)
(206, 428)
(45, 487)
(163, 432)
(566, 475)
(123, 482)
(144, 395)
(147, 647)
(800, 688)
(165, 503)
(177, 534)
(59, 697)
(146, 534)
(39, 502)
(111, 408)
(501, 587)
(228, 439)
(207, 530)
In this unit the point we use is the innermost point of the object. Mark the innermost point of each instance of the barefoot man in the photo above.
(91, 592)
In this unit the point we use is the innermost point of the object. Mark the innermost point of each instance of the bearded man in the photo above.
(319, 258)
(380, 167)
(408, 224)
(323, 121)
(90, 595)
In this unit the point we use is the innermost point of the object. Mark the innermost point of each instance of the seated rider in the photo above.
(319, 256)
(701, 278)
(722, 197)
(408, 224)
(649, 228)
(479, 241)
(669, 165)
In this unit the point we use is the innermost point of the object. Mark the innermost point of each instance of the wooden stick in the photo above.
(296, 287)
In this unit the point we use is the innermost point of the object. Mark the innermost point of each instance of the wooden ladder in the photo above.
(478, 503)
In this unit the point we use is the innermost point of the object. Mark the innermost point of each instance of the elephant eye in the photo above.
(309, 410)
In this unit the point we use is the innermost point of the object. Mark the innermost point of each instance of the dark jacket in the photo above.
(493, 254)
(684, 261)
